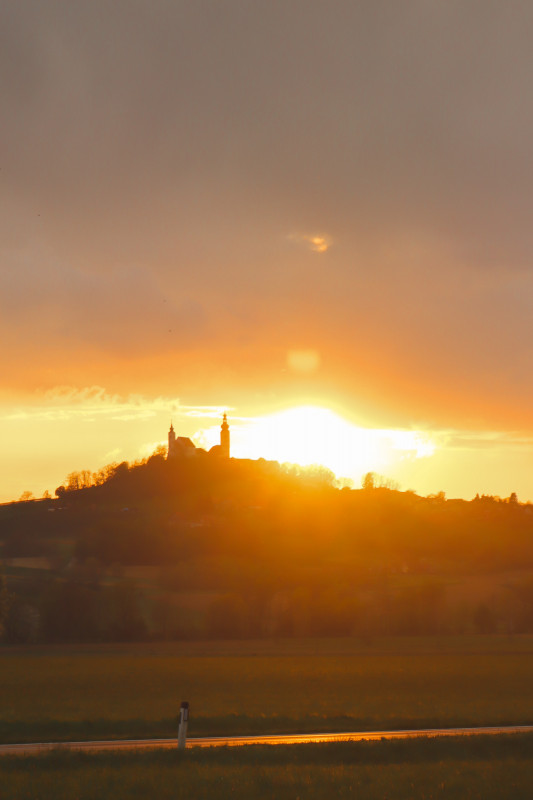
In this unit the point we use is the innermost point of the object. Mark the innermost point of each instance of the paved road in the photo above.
(218, 741)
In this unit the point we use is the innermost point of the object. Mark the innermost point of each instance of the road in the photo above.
(231, 741)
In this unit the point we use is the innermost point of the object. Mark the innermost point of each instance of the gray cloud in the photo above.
(417, 114)
(161, 151)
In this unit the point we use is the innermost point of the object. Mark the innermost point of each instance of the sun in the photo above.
(307, 435)
(315, 435)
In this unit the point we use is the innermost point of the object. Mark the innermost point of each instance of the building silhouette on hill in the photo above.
(183, 447)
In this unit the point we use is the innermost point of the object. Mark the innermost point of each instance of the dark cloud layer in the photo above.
(163, 162)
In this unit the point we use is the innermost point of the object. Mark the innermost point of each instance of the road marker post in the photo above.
(182, 729)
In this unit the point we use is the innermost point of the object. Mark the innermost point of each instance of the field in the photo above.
(466, 769)
(121, 691)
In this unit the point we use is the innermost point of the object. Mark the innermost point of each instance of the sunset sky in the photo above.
(267, 206)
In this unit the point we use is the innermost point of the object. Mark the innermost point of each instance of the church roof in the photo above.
(184, 441)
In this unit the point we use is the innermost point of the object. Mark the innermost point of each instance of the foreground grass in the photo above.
(486, 768)
(130, 691)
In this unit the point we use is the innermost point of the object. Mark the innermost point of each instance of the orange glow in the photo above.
(66, 429)
(313, 435)
(304, 361)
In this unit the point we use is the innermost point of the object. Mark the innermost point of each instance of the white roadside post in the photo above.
(182, 730)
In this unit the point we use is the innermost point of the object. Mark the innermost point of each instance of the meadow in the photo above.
(71, 692)
(483, 768)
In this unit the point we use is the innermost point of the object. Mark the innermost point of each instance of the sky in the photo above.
(266, 206)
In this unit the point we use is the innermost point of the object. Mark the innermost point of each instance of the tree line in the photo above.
(242, 548)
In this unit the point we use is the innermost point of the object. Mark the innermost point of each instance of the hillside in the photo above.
(215, 547)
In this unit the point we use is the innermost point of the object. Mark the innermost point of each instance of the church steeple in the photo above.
(171, 441)
(224, 437)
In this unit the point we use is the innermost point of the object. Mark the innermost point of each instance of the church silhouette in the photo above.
(183, 447)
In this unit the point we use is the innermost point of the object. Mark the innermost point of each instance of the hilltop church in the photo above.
(183, 447)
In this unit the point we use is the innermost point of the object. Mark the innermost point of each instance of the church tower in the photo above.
(171, 442)
(224, 437)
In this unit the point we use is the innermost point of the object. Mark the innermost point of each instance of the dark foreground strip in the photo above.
(230, 741)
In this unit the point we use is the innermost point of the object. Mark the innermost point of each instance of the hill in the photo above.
(215, 547)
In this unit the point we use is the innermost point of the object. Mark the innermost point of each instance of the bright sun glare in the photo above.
(313, 435)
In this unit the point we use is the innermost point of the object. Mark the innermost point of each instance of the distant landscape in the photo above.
(297, 236)
(210, 548)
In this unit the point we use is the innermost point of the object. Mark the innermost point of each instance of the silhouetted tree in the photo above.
(369, 481)
(484, 619)
(124, 620)
(22, 624)
(5, 602)
(227, 617)
(70, 612)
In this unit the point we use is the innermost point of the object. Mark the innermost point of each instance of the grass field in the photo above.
(122, 691)
(484, 768)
